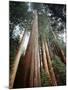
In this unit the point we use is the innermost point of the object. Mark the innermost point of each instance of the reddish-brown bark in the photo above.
(52, 74)
(31, 74)
(45, 63)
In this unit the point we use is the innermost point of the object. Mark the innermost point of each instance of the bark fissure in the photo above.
(52, 74)
(31, 58)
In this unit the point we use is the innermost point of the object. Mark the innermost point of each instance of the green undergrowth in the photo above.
(44, 79)
(60, 69)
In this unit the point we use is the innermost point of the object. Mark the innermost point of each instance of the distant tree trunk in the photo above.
(31, 69)
(62, 56)
(60, 53)
(52, 74)
(15, 64)
(51, 52)
(45, 63)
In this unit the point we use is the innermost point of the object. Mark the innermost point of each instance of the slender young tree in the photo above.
(16, 63)
(60, 52)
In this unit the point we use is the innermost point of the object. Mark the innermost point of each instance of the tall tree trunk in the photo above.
(52, 74)
(15, 64)
(31, 74)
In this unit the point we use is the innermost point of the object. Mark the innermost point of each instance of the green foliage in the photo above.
(37, 6)
(60, 68)
(18, 10)
(43, 26)
(44, 78)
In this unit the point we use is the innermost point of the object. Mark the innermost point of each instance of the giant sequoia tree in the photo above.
(37, 65)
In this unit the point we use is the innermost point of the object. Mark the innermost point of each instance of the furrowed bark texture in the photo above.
(45, 63)
(52, 74)
(31, 64)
